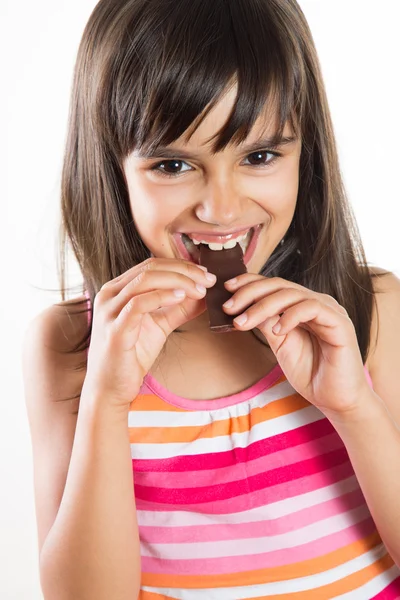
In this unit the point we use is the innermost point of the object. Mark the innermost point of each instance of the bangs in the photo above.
(178, 64)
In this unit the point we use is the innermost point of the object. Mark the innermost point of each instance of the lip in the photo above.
(221, 237)
(247, 257)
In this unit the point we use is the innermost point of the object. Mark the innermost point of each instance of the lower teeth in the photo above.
(190, 247)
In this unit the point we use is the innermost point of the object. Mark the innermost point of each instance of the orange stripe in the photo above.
(345, 585)
(282, 573)
(153, 402)
(278, 408)
(150, 402)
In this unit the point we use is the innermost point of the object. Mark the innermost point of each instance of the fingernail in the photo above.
(277, 328)
(231, 281)
(211, 277)
(228, 304)
(203, 268)
(241, 320)
(201, 288)
(180, 293)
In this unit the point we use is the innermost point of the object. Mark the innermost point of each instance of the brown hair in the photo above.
(146, 73)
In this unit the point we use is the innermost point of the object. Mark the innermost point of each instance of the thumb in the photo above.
(275, 341)
(177, 315)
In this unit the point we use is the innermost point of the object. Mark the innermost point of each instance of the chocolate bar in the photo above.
(225, 264)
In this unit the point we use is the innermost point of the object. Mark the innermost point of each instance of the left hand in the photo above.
(317, 347)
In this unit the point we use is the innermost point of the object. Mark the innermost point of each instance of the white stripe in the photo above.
(289, 586)
(373, 587)
(250, 546)
(223, 443)
(281, 508)
(190, 418)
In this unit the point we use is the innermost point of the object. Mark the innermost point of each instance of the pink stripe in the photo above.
(255, 499)
(204, 478)
(208, 533)
(240, 564)
(217, 460)
(391, 592)
(246, 485)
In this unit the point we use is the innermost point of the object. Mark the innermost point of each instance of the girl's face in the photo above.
(233, 190)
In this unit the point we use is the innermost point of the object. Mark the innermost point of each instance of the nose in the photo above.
(222, 206)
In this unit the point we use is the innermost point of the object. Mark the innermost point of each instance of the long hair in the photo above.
(149, 71)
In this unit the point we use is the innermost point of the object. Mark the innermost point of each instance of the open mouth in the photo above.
(191, 251)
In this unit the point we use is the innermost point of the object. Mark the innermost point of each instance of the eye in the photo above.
(161, 168)
(171, 164)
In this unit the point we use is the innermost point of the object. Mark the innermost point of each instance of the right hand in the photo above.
(132, 317)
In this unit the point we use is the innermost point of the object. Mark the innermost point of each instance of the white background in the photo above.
(359, 48)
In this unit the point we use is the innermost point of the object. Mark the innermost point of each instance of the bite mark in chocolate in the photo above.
(225, 264)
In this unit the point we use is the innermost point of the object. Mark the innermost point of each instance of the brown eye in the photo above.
(171, 168)
(260, 154)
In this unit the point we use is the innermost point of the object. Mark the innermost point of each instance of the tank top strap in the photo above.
(88, 303)
(89, 310)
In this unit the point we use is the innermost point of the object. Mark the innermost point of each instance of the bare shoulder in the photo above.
(65, 323)
(384, 357)
(48, 343)
(384, 279)
(56, 331)
(386, 286)
(53, 377)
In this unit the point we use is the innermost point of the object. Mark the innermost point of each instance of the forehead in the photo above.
(204, 129)
(226, 121)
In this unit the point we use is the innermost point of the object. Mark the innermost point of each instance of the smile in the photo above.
(188, 247)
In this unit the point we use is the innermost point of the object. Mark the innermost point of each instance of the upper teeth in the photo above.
(227, 245)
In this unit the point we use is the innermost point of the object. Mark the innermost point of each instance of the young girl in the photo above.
(187, 464)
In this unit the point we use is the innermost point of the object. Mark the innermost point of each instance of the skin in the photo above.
(317, 344)
(224, 191)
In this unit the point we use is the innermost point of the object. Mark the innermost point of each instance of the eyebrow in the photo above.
(168, 152)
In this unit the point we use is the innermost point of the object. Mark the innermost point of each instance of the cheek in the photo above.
(154, 209)
(287, 190)
(278, 194)
(151, 206)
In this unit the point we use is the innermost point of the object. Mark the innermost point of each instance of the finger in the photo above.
(324, 321)
(132, 312)
(243, 279)
(273, 284)
(262, 306)
(190, 269)
(150, 280)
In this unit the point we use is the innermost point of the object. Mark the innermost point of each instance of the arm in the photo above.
(372, 437)
(92, 551)
(85, 507)
(372, 440)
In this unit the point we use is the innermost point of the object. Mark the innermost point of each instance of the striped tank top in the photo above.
(250, 496)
